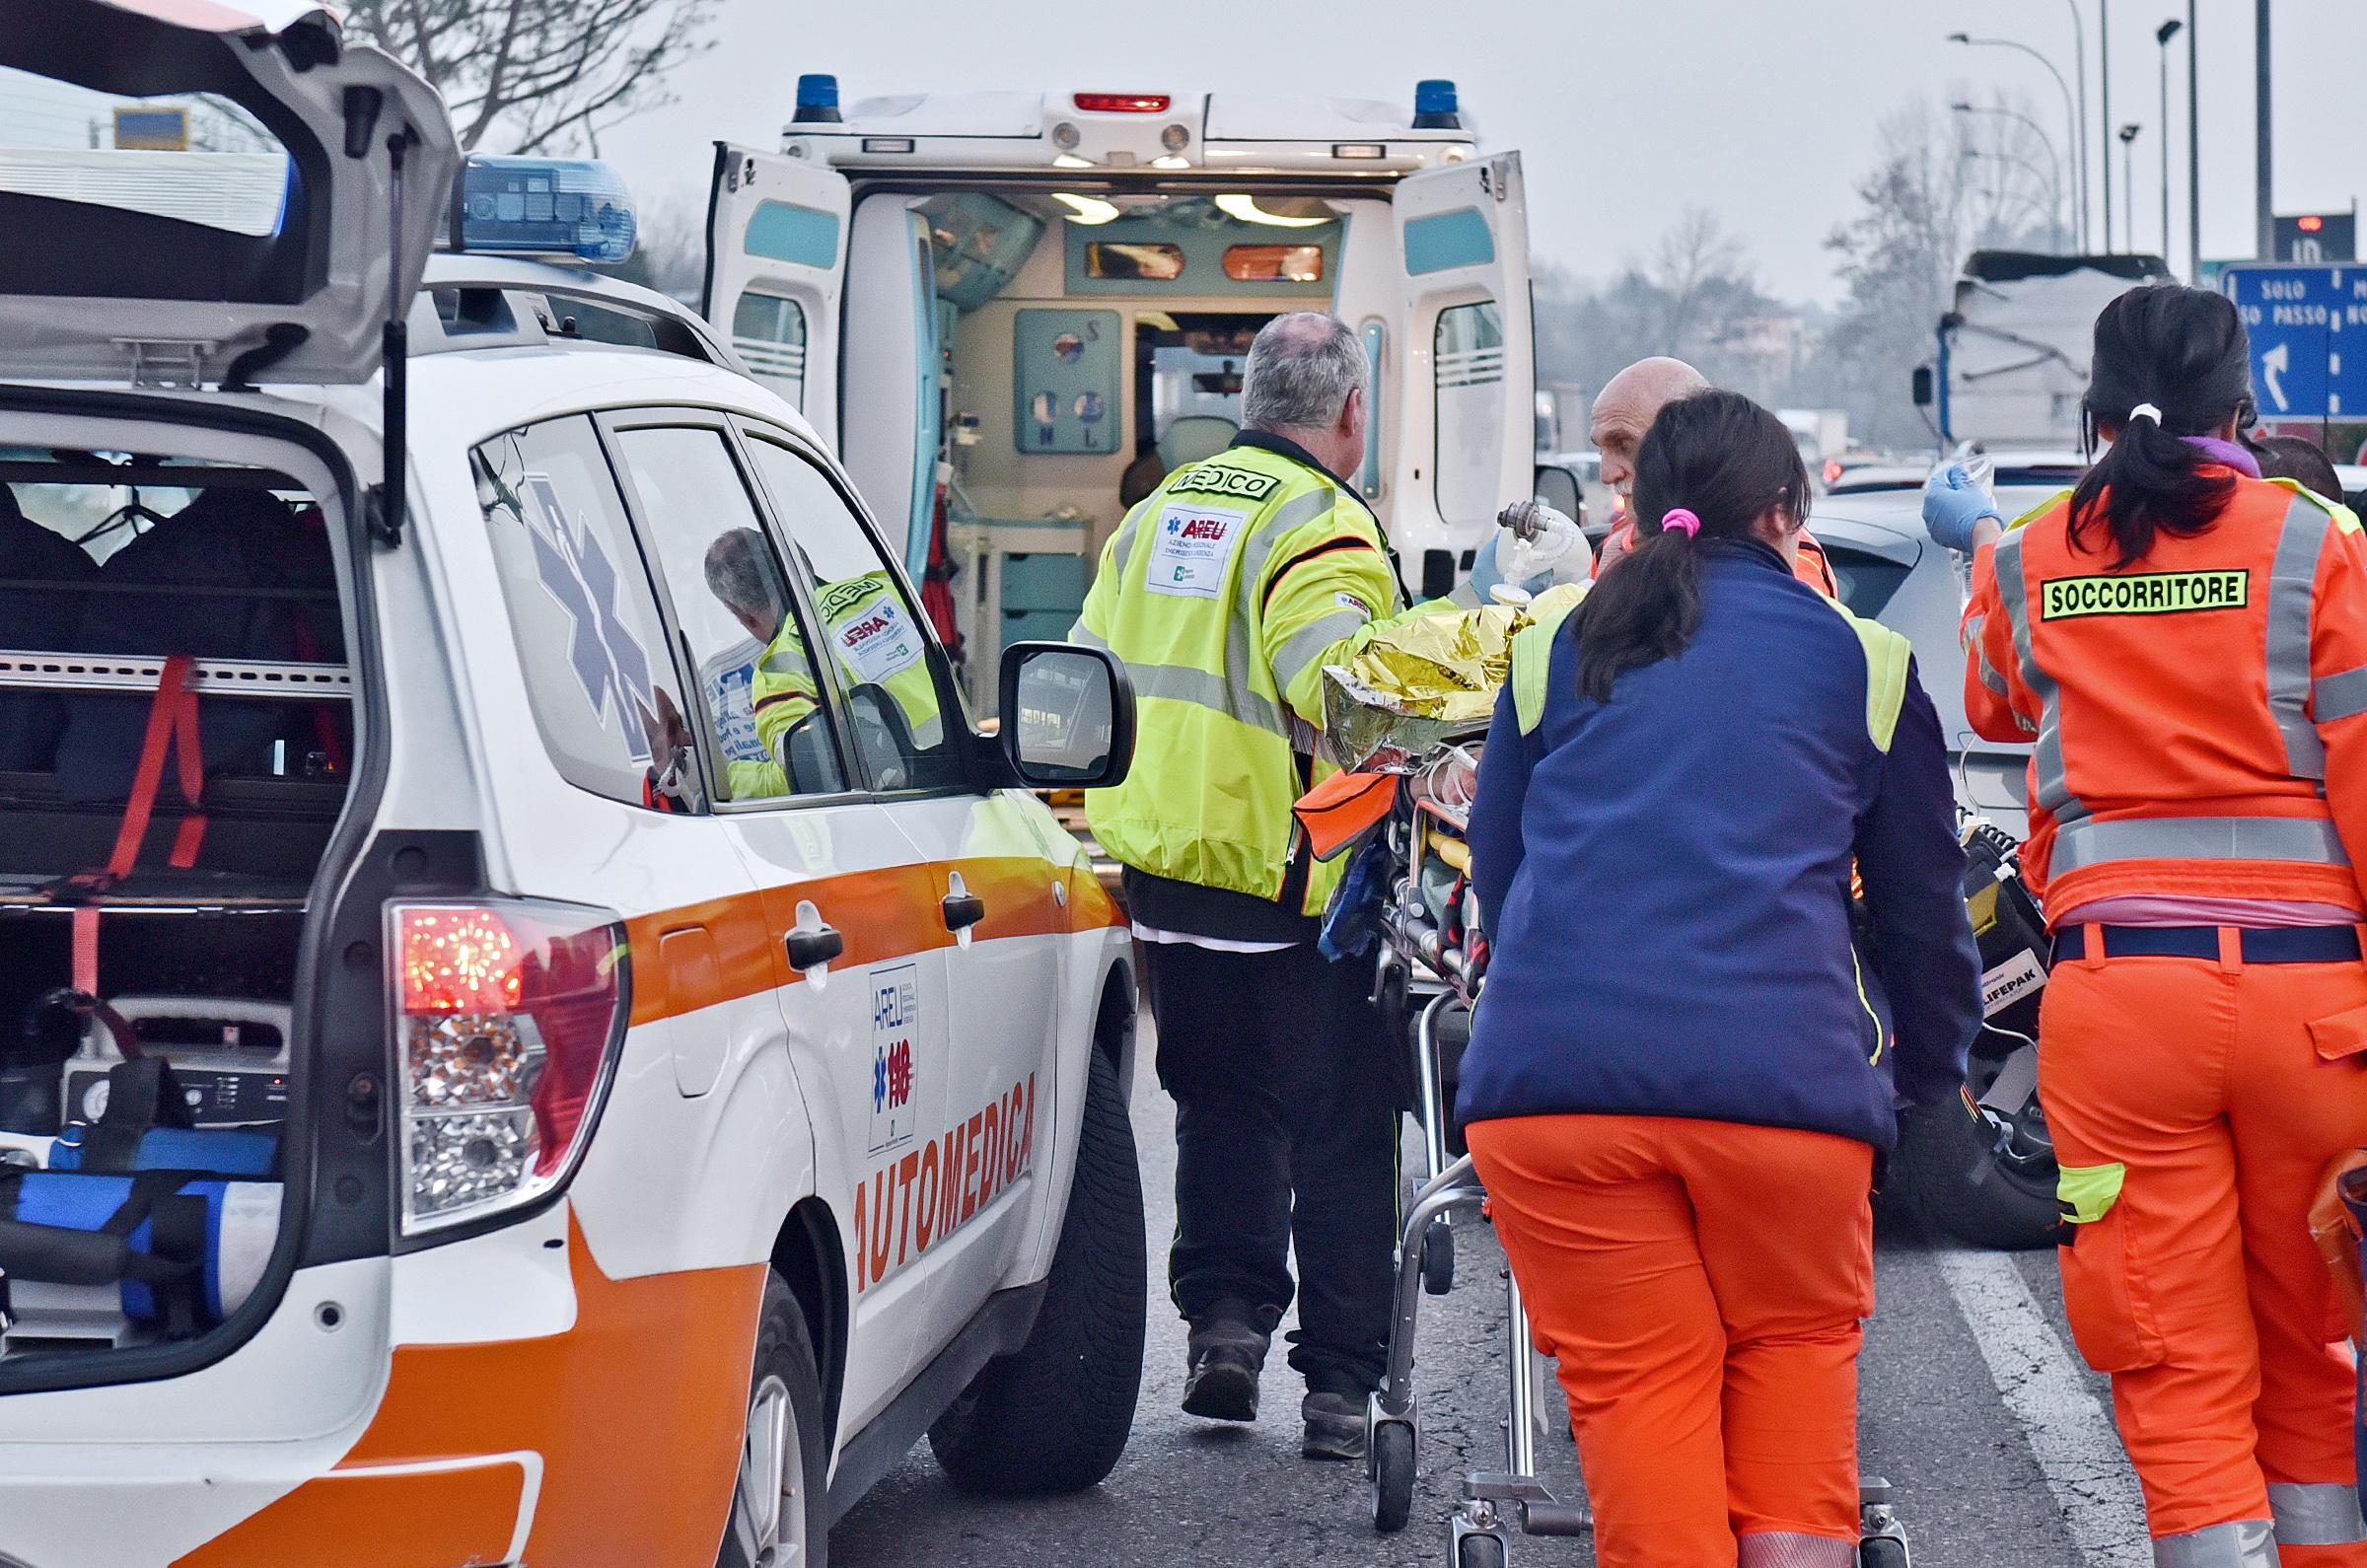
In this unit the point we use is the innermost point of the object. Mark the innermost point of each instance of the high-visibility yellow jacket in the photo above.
(876, 642)
(1225, 593)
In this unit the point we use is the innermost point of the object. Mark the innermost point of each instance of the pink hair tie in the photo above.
(1681, 520)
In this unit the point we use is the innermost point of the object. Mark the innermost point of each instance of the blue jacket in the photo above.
(1666, 879)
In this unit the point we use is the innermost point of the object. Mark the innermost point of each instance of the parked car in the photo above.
(608, 1054)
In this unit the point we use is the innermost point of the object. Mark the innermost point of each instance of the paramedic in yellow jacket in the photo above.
(1225, 593)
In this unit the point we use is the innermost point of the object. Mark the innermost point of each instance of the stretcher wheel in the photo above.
(1479, 1552)
(1392, 1475)
(1438, 1257)
(1883, 1551)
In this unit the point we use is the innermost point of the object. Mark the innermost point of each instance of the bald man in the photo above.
(1623, 411)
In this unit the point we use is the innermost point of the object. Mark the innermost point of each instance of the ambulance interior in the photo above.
(1080, 344)
(160, 832)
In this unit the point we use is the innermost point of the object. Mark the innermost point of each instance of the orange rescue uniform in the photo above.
(2200, 727)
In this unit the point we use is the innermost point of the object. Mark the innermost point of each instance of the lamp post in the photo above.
(2128, 184)
(2162, 36)
(2194, 141)
(2103, 83)
(2070, 115)
(2264, 169)
(2053, 172)
(2079, 64)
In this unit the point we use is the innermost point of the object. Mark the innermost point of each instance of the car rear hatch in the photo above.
(282, 189)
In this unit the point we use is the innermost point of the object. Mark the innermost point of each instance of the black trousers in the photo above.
(1286, 1133)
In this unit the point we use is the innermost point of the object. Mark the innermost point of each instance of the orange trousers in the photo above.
(2223, 1091)
(1702, 1285)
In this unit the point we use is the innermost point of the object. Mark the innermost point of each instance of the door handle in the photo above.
(811, 946)
(962, 910)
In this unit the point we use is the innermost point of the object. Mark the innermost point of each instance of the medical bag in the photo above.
(158, 1249)
(2009, 928)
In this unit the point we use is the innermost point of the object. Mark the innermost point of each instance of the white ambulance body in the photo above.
(997, 304)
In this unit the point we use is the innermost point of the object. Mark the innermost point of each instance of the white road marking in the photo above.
(2069, 1433)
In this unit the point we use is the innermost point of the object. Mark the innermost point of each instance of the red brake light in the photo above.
(509, 1017)
(1122, 103)
(2312, 224)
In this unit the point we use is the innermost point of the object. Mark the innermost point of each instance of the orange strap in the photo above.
(172, 720)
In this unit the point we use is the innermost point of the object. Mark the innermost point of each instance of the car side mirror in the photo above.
(1559, 489)
(1924, 386)
(1067, 716)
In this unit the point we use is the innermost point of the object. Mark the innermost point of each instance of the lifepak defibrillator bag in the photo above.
(2009, 928)
(233, 575)
(39, 610)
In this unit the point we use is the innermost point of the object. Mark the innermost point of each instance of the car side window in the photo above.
(902, 710)
(599, 677)
(766, 706)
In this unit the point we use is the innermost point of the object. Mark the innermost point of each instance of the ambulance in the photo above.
(1014, 310)
(459, 1100)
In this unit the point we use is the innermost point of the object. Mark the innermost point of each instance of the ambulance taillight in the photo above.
(1122, 103)
(509, 1016)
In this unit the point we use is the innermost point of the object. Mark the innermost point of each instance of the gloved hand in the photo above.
(1487, 568)
(1953, 504)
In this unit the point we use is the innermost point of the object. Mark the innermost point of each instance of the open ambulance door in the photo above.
(1469, 415)
(896, 386)
(776, 265)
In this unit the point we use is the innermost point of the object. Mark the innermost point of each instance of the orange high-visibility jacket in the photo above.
(2200, 714)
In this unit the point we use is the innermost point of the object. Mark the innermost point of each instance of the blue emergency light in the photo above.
(1435, 107)
(552, 207)
(816, 99)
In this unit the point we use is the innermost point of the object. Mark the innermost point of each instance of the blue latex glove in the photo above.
(1488, 571)
(1953, 504)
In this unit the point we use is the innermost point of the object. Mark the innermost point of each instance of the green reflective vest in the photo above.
(1225, 593)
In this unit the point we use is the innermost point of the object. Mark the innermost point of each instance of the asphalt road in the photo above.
(1997, 1443)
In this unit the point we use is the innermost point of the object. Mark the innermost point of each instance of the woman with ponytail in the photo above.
(1677, 1145)
(2187, 644)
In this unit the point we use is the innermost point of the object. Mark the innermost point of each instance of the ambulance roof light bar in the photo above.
(816, 100)
(1435, 107)
(558, 209)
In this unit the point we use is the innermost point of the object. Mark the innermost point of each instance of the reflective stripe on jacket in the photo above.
(1225, 591)
(2194, 712)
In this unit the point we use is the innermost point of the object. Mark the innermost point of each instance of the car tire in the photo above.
(1949, 1172)
(1054, 1414)
(781, 1439)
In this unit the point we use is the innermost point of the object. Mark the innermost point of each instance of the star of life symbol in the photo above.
(610, 661)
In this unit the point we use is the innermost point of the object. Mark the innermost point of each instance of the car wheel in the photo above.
(1054, 1414)
(1961, 1180)
(780, 1511)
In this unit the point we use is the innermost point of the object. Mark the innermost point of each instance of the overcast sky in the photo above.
(1763, 110)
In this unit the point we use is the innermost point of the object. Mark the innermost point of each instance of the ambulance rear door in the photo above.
(1469, 390)
(776, 267)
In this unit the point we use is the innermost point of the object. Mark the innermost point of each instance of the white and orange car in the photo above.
(532, 1025)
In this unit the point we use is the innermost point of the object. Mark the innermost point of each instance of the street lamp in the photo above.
(2053, 172)
(2070, 115)
(2079, 63)
(2162, 36)
(2128, 188)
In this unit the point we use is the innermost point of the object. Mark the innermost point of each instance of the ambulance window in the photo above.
(599, 677)
(1274, 264)
(901, 712)
(739, 625)
(768, 334)
(1469, 371)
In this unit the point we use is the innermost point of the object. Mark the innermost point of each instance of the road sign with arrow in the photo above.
(2300, 318)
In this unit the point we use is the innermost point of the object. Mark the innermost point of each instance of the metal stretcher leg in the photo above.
(1438, 1237)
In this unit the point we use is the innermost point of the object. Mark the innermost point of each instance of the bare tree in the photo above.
(538, 75)
(1699, 270)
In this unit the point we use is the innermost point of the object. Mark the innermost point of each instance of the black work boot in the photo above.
(1225, 1354)
(1333, 1411)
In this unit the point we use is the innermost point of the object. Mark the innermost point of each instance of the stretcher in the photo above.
(1433, 959)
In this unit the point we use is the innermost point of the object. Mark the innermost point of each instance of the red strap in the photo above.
(324, 723)
(171, 718)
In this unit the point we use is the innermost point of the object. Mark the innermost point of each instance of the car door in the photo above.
(1462, 238)
(776, 267)
(992, 886)
(855, 943)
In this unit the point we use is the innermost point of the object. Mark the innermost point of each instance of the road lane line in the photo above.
(2068, 1432)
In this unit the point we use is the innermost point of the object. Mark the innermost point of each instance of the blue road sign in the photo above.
(2304, 321)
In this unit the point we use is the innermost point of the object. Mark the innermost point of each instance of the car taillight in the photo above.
(508, 1018)
(1122, 103)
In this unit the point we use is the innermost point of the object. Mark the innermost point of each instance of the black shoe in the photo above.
(1334, 1425)
(1224, 1357)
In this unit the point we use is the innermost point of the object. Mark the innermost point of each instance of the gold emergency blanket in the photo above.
(1423, 682)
